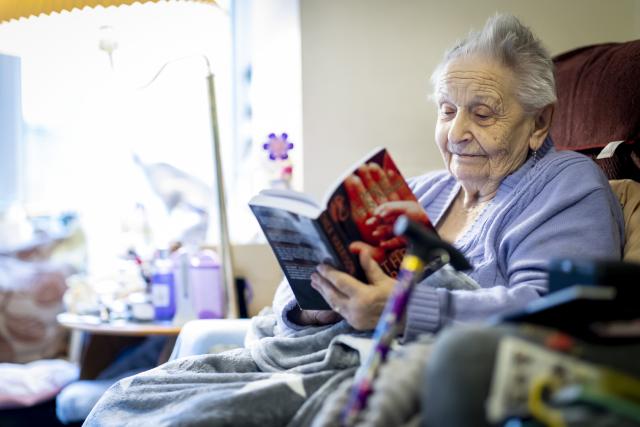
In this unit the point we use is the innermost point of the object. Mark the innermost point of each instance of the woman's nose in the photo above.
(459, 130)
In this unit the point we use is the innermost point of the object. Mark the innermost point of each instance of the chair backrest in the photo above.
(598, 103)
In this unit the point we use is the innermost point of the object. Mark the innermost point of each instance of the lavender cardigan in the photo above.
(559, 205)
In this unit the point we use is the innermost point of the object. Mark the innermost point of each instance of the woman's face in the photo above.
(482, 131)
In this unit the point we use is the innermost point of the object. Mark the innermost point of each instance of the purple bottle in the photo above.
(163, 292)
(205, 279)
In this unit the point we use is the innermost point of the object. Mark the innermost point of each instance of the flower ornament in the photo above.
(278, 146)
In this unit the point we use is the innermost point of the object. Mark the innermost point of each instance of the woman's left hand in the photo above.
(358, 303)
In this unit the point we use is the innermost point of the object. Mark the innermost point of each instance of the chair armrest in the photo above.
(199, 336)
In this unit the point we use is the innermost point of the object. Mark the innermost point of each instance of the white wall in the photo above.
(637, 16)
(366, 63)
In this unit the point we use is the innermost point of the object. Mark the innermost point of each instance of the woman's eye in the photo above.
(447, 111)
(482, 115)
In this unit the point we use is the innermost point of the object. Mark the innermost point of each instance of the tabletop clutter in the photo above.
(172, 286)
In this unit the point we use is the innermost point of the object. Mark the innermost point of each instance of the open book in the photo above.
(303, 233)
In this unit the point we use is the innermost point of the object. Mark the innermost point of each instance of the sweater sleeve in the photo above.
(283, 302)
(562, 220)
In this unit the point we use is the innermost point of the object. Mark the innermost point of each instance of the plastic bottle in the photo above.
(163, 293)
(205, 278)
(184, 293)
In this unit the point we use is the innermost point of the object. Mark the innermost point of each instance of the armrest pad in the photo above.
(199, 336)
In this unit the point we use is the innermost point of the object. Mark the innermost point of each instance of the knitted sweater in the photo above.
(559, 205)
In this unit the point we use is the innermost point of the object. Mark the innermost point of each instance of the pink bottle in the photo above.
(205, 279)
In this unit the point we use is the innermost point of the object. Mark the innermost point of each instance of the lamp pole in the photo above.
(223, 229)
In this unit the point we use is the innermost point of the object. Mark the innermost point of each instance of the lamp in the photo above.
(16, 9)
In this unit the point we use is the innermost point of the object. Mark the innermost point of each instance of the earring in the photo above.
(534, 154)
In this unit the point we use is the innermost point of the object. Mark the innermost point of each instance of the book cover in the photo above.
(304, 233)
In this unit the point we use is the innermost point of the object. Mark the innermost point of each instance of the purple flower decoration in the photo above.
(278, 146)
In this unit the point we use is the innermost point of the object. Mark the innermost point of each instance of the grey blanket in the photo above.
(295, 379)
(274, 381)
(395, 400)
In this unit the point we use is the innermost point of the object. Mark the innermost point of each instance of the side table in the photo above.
(95, 344)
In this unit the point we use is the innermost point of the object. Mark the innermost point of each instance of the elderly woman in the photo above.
(508, 200)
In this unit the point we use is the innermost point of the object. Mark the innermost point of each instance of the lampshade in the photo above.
(16, 9)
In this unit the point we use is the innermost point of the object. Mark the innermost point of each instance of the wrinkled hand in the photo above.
(358, 303)
(384, 216)
(377, 197)
(369, 187)
(314, 317)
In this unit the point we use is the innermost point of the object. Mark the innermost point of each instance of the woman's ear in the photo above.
(541, 126)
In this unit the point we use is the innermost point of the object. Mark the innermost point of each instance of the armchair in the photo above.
(579, 125)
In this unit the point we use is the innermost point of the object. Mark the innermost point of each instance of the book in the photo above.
(303, 233)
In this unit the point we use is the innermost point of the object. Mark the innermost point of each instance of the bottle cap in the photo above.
(205, 258)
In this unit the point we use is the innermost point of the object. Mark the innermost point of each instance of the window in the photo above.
(88, 115)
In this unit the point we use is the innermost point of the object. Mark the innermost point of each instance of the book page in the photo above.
(299, 247)
(288, 200)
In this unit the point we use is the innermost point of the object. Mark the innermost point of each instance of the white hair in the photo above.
(506, 40)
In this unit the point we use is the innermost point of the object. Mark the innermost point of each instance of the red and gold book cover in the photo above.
(364, 207)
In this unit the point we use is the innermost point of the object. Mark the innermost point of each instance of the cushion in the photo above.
(629, 194)
(35, 382)
(30, 298)
(599, 102)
